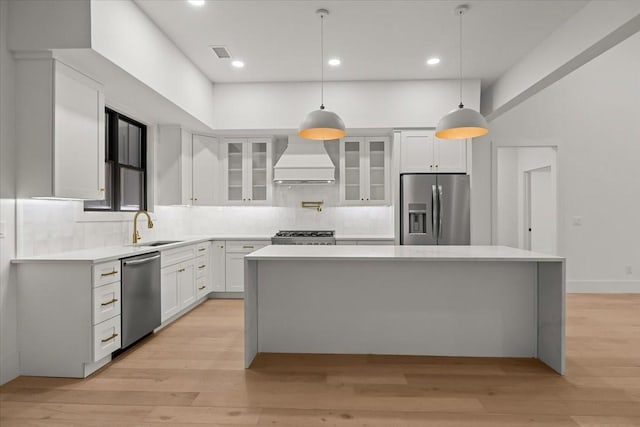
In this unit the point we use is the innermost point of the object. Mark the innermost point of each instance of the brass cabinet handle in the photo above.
(202, 249)
(221, 247)
(110, 273)
(181, 270)
(202, 266)
(109, 302)
(247, 247)
(110, 338)
(436, 165)
(102, 189)
(201, 288)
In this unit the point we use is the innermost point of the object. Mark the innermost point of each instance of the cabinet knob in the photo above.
(431, 166)
(436, 165)
(102, 190)
(221, 247)
(362, 198)
(367, 198)
(249, 199)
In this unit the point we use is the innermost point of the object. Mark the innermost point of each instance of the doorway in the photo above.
(525, 198)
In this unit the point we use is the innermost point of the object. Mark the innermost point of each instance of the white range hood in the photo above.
(304, 161)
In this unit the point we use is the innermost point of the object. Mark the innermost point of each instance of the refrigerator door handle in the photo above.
(434, 201)
(439, 210)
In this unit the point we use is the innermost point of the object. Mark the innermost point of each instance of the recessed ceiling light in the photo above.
(196, 2)
(433, 61)
(334, 62)
(237, 64)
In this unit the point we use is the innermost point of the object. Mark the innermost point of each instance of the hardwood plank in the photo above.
(191, 373)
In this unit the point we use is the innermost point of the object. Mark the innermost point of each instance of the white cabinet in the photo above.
(235, 272)
(218, 266)
(247, 169)
(203, 270)
(421, 151)
(60, 125)
(188, 168)
(205, 165)
(179, 287)
(234, 266)
(364, 170)
(69, 317)
(170, 292)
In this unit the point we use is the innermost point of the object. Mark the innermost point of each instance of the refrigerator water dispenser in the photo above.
(417, 218)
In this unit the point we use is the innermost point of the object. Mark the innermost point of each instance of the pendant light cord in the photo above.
(322, 62)
(460, 12)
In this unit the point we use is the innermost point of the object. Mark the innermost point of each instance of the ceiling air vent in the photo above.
(221, 51)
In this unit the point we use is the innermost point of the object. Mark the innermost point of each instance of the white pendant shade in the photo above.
(462, 123)
(322, 125)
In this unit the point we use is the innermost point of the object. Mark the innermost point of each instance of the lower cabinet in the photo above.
(218, 266)
(69, 316)
(183, 283)
(234, 265)
(235, 273)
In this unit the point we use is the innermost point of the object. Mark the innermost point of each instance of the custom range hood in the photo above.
(304, 161)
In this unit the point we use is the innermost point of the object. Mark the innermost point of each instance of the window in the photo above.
(125, 165)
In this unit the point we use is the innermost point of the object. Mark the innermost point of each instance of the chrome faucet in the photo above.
(136, 234)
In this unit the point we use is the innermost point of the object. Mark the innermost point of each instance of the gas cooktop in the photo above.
(304, 237)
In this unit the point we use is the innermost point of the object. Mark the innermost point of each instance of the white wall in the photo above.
(591, 115)
(507, 198)
(123, 34)
(9, 367)
(597, 27)
(364, 104)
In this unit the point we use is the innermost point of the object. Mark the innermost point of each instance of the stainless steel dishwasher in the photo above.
(141, 311)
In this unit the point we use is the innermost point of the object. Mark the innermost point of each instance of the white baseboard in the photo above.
(603, 286)
(9, 367)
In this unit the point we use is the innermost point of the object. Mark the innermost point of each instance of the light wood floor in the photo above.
(192, 373)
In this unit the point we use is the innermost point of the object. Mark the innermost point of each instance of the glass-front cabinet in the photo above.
(247, 170)
(364, 170)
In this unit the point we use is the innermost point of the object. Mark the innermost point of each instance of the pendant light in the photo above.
(322, 124)
(462, 122)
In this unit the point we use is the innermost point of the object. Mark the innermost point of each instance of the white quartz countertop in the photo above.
(115, 252)
(367, 253)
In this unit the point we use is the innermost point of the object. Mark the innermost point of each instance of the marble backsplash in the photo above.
(46, 226)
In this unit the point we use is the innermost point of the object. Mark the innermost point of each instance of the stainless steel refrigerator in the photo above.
(434, 209)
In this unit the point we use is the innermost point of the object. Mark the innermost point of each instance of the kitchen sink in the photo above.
(160, 243)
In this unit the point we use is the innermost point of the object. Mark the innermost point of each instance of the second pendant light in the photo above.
(462, 122)
(322, 124)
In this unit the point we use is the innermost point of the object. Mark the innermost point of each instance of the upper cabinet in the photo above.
(206, 167)
(187, 168)
(364, 170)
(247, 169)
(421, 151)
(60, 127)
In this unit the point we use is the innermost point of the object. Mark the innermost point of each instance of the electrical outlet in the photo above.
(577, 221)
(628, 269)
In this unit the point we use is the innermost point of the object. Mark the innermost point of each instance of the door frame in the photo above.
(526, 211)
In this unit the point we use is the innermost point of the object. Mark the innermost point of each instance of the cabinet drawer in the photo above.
(174, 256)
(202, 266)
(106, 302)
(246, 246)
(202, 287)
(202, 248)
(106, 338)
(106, 272)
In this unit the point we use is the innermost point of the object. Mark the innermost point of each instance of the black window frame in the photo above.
(112, 158)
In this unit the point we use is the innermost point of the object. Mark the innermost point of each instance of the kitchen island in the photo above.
(484, 301)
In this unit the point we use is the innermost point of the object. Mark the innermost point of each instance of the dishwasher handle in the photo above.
(140, 261)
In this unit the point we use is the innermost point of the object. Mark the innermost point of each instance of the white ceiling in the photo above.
(376, 40)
